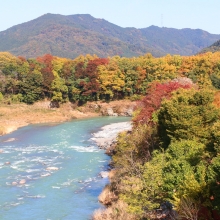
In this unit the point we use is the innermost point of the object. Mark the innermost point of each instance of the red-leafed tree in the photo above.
(47, 72)
(89, 84)
(152, 101)
(93, 86)
(79, 70)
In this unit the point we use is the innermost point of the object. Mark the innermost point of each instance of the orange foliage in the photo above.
(217, 99)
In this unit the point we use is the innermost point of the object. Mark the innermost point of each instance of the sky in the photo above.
(202, 14)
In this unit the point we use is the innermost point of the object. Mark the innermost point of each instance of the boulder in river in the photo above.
(104, 174)
(23, 181)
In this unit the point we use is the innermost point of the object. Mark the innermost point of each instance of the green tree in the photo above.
(183, 116)
(214, 182)
(215, 80)
(59, 90)
(31, 87)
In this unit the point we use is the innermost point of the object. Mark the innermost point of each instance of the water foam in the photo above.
(89, 149)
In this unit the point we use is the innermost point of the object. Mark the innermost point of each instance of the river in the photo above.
(51, 171)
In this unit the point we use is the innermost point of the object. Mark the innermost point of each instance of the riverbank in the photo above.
(14, 116)
(106, 139)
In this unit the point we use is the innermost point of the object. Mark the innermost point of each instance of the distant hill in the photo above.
(213, 48)
(72, 35)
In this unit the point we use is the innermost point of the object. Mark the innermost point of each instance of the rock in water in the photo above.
(23, 181)
(104, 174)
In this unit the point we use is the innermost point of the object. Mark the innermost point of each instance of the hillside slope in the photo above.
(213, 48)
(70, 36)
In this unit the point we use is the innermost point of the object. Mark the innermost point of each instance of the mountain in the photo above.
(213, 48)
(72, 35)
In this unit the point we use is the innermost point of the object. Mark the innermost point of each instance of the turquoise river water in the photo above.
(60, 166)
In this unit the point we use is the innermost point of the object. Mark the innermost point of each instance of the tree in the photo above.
(7, 59)
(183, 116)
(31, 87)
(59, 90)
(214, 182)
(152, 101)
(111, 81)
(47, 72)
(215, 80)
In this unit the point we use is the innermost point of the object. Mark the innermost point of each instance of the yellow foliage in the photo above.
(7, 58)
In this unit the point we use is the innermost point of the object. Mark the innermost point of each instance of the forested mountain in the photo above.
(213, 48)
(70, 36)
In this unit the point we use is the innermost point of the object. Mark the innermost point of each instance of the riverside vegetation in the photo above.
(170, 160)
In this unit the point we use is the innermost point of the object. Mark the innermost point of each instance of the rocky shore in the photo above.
(106, 139)
(108, 134)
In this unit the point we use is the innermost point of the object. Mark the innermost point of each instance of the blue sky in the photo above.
(203, 14)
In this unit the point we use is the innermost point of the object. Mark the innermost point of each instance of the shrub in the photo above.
(17, 98)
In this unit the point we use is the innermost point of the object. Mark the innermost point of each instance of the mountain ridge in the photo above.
(72, 35)
(215, 47)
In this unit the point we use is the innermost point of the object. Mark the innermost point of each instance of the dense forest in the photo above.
(90, 78)
(171, 158)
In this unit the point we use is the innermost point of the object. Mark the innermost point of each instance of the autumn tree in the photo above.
(111, 81)
(59, 90)
(47, 73)
(152, 101)
(87, 79)
(183, 116)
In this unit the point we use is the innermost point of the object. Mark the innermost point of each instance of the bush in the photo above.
(135, 97)
(17, 98)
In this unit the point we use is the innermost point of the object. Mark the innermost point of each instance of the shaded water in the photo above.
(68, 193)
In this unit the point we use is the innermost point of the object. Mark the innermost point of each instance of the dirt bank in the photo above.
(18, 115)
